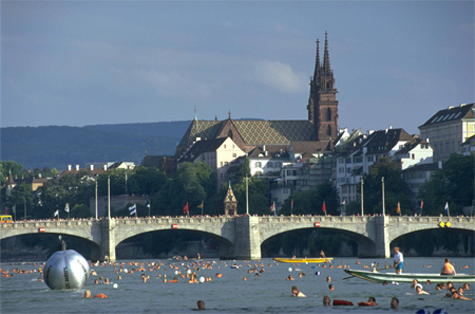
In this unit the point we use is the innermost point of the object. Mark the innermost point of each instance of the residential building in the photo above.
(417, 175)
(220, 154)
(448, 129)
(468, 147)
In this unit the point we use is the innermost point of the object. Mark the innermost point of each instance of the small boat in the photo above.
(434, 278)
(303, 260)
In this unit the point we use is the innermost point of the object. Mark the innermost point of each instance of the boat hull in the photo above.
(303, 260)
(435, 278)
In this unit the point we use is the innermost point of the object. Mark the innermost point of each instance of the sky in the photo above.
(77, 63)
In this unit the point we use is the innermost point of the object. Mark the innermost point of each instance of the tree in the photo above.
(21, 198)
(395, 188)
(146, 181)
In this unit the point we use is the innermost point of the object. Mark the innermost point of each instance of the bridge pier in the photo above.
(108, 239)
(247, 240)
(382, 238)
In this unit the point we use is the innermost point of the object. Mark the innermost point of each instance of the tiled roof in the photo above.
(385, 140)
(254, 132)
(271, 150)
(201, 147)
(451, 114)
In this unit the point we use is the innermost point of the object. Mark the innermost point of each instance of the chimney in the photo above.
(91, 167)
(77, 167)
(105, 167)
(69, 167)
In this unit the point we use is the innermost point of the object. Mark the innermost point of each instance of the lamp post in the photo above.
(247, 195)
(96, 196)
(109, 197)
(362, 197)
(384, 207)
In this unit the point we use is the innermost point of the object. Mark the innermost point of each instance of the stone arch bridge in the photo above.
(240, 237)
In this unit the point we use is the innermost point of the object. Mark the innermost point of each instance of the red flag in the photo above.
(324, 208)
(272, 208)
(185, 209)
(422, 204)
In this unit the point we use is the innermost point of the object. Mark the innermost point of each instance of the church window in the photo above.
(329, 85)
(329, 114)
(329, 130)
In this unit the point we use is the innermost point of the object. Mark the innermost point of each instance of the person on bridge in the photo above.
(448, 269)
(398, 261)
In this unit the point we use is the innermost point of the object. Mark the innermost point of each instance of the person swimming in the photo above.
(448, 269)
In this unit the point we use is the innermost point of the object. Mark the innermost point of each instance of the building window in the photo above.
(413, 156)
(221, 163)
(278, 164)
(258, 164)
(234, 154)
(329, 114)
(226, 163)
(270, 165)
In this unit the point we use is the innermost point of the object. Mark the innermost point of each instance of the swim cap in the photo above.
(441, 311)
(418, 285)
(423, 311)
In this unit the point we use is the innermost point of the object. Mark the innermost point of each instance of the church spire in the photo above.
(326, 57)
(316, 72)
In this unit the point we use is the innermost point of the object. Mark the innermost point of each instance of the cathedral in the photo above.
(317, 133)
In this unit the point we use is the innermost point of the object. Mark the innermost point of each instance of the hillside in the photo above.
(58, 146)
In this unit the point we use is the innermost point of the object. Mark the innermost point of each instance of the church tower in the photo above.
(322, 104)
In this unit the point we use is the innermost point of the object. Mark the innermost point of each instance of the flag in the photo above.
(56, 213)
(132, 209)
(66, 208)
(447, 211)
(201, 205)
(422, 204)
(292, 204)
(185, 208)
(398, 208)
(272, 208)
(324, 208)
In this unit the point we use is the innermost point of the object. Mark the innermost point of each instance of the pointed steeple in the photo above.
(316, 72)
(326, 57)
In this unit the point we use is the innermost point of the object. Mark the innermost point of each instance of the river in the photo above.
(267, 293)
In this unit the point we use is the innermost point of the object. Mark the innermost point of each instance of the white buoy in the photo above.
(66, 270)
(290, 268)
(202, 279)
(115, 286)
(188, 271)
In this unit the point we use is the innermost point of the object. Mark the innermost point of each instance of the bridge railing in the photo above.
(52, 223)
(312, 219)
(430, 219)
(177, 220)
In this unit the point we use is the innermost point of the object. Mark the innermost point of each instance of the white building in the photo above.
(448, 129)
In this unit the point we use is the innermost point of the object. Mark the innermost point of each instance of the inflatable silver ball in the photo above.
(66, 270)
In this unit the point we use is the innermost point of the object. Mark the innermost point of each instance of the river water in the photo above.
(267, 293)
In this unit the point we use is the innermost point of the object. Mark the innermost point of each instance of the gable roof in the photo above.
(384, 140)
(201, 147)
(450, 114)
(253, 132)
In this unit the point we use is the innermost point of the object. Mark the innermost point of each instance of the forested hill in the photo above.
(174, 129)
(58, 146)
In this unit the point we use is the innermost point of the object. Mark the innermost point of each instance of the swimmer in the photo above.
(326, 301)
(296, 292)
(419, 290)
(290, 278)
(448, 269)
(87, 294)
(331, 287)
(371, 302)
(466, 286)
(200, 304)
(394, 303)
(329, 279)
